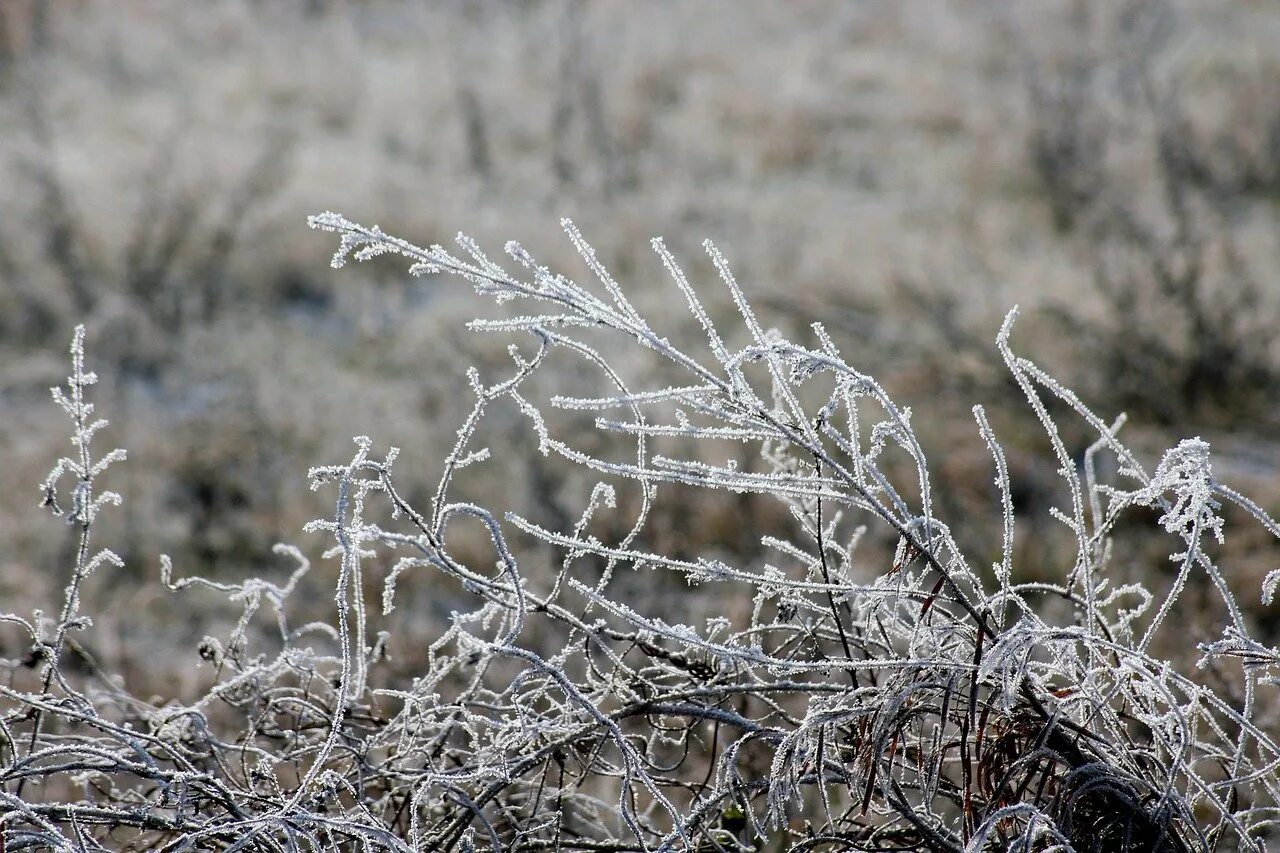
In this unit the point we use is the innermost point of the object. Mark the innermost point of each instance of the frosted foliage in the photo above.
(928, 699)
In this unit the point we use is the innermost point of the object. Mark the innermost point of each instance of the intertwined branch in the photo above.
(928, 701)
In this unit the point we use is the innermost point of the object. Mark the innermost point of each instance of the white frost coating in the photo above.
(912, 703)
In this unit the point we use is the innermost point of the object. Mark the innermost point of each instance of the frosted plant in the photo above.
(915, 699)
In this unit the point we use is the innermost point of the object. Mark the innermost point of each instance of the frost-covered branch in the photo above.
(864, 684)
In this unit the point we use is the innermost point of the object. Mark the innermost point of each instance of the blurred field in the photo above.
(904, 172)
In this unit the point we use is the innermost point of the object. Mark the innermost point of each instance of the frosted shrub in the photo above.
(928, 700)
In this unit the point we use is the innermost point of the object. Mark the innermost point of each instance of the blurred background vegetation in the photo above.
(903, 171)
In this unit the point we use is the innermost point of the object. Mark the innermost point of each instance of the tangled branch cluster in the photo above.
(928, 702)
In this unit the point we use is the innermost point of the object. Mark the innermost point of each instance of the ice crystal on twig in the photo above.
(839, 697)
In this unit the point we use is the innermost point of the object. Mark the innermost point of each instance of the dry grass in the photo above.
(904, 172)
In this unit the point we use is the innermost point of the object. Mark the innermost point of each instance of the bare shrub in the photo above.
(1155, 178)
(914, 698)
